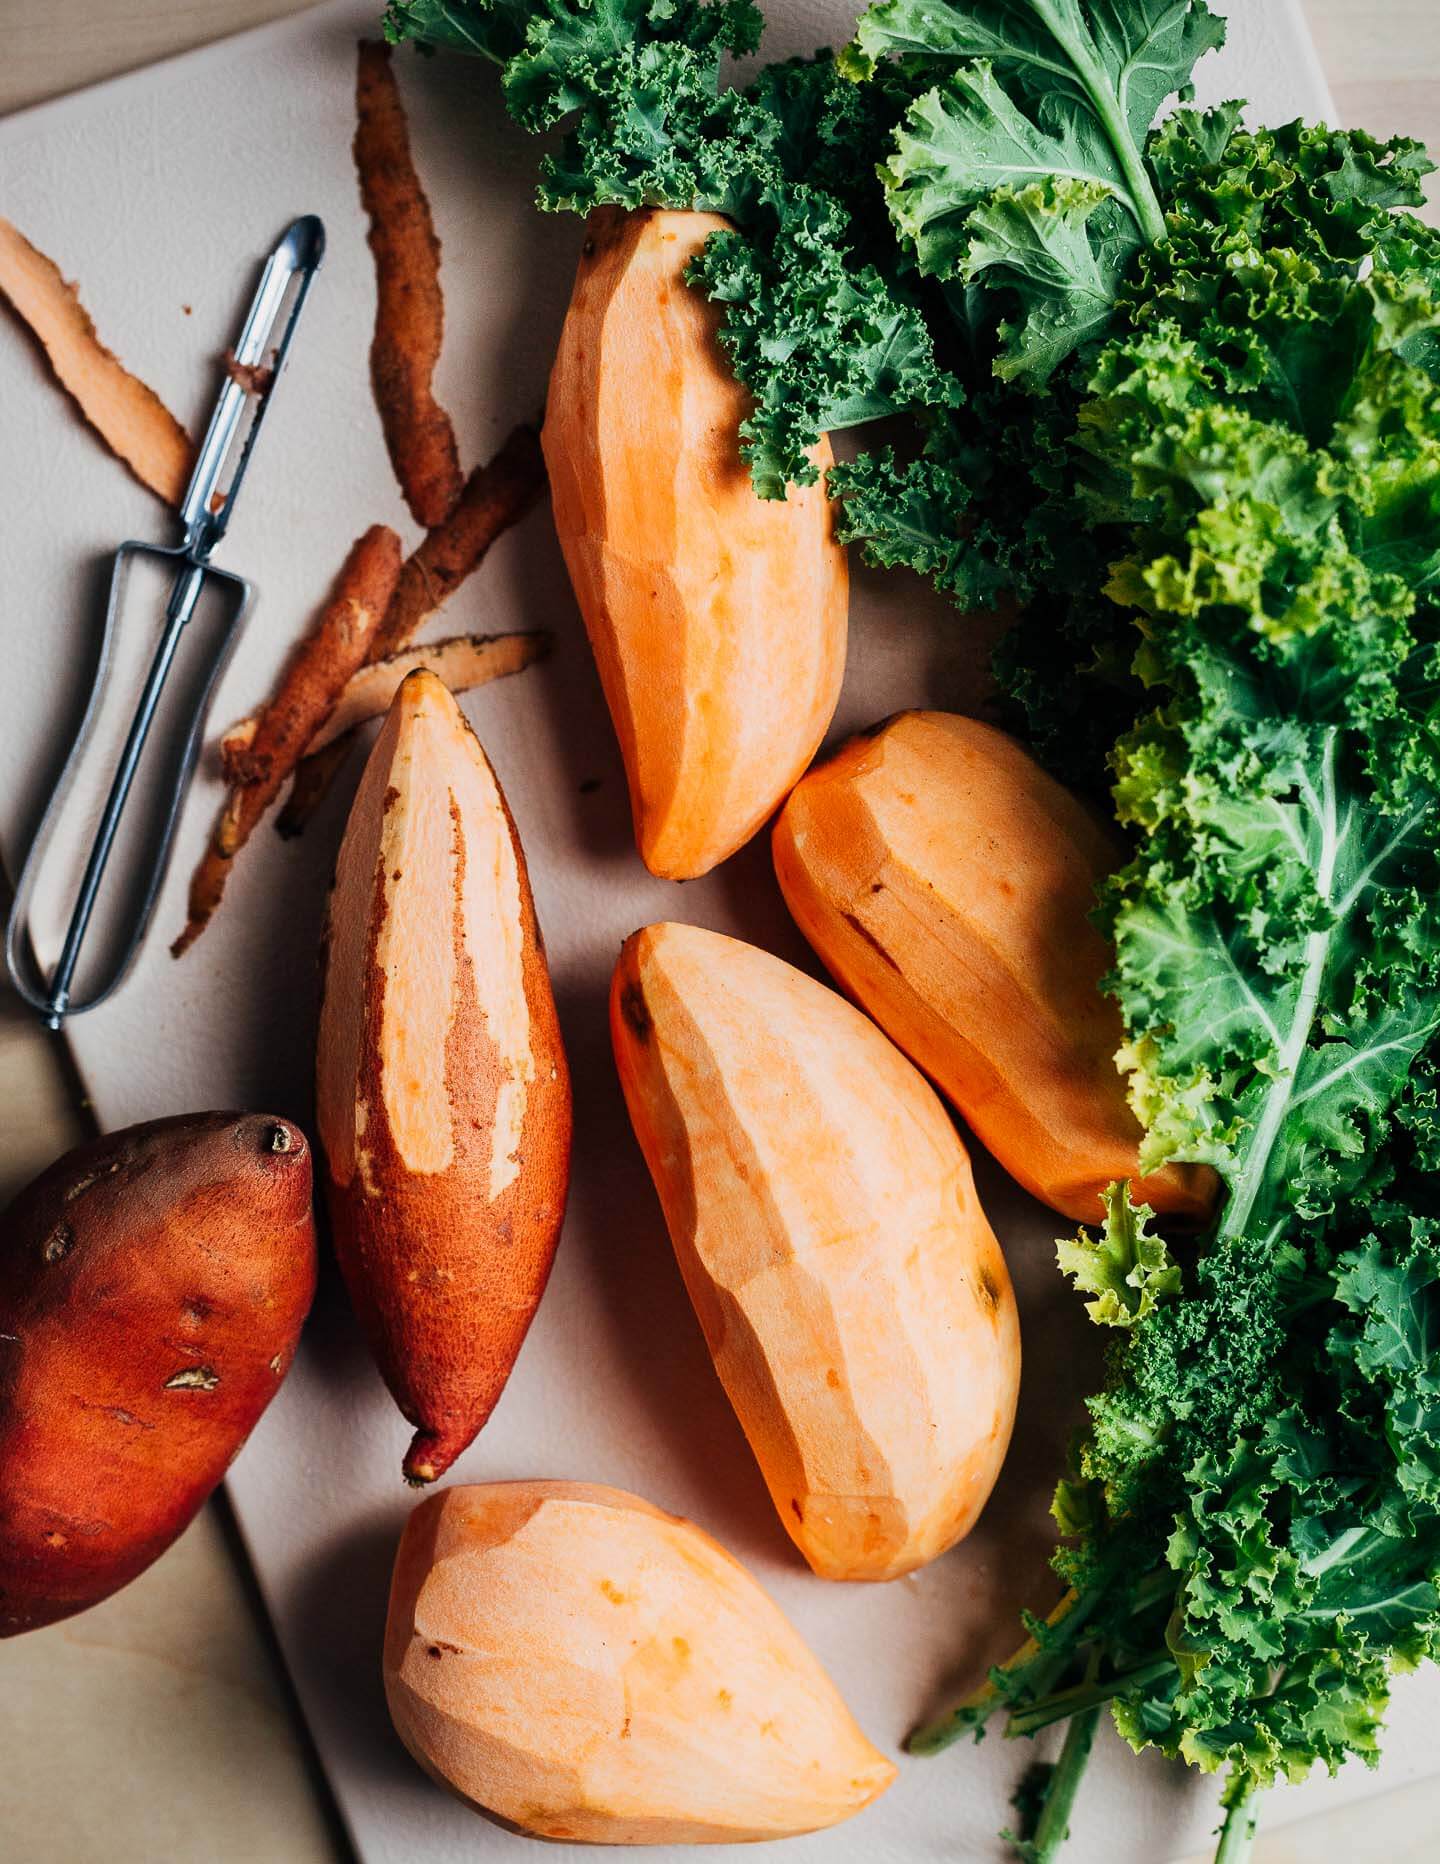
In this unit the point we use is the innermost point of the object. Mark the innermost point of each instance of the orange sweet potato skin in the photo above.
(947, 883)
(717, 619)
(443, 1094)
(152, 1290)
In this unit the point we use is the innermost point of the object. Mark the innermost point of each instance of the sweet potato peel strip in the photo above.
(409, 306)
(335, 648)
(464, 661)
(130, 418)
(496, 495)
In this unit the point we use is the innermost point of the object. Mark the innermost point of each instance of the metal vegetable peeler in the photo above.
(252, 370)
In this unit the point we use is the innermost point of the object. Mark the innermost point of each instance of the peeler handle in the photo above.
(52, 995)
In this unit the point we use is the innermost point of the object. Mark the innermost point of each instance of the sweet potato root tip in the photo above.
(130, 418)
(336, 646)
(409, 307)
(425, 1462)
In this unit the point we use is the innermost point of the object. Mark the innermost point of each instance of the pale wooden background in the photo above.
(159, 1724)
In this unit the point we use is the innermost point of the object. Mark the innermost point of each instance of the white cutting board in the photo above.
(157, 191)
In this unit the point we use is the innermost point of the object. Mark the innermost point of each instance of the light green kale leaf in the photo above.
(1125, 1271)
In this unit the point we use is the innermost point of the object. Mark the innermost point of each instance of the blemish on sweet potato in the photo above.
(634, 1013)
(193, 1379)
(124, 1416)
(88, 1180)
(862, 931)
(59, 1243)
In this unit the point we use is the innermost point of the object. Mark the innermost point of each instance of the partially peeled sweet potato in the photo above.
(947, 882)
(717, 618)
(152, 1288)
(584, 1668)
(822, 1210)
(442, 1094)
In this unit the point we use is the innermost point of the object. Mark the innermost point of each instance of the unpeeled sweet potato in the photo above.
(152, 1288)
(717, 618)
(583, 1667)
(442, 1094)
(947, 882)
(820, 1202)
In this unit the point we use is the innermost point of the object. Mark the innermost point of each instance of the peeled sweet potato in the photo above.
(152, 1288)
(580, 1666)
(820, 1202)
(947, 882)
(442, 1095)
(717, 618)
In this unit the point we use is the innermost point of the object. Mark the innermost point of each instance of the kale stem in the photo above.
(1237, 1834)
(1037, 1665)
(1053, 1826)
(1068, 1702)
(1101, 91)
(1276, 1107)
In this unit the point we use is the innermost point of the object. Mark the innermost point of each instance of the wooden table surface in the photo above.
(160, 1725)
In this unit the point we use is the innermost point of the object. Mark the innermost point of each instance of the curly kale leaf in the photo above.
(1298, 1521)
(1023, 169)
(1248, 466)
(1126, 1271)
(635, 84)
(820, 324)
(1119, 58)
(822, 337)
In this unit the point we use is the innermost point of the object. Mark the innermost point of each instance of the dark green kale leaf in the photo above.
(822, 335)
(1253, 456)
(1023, 169)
